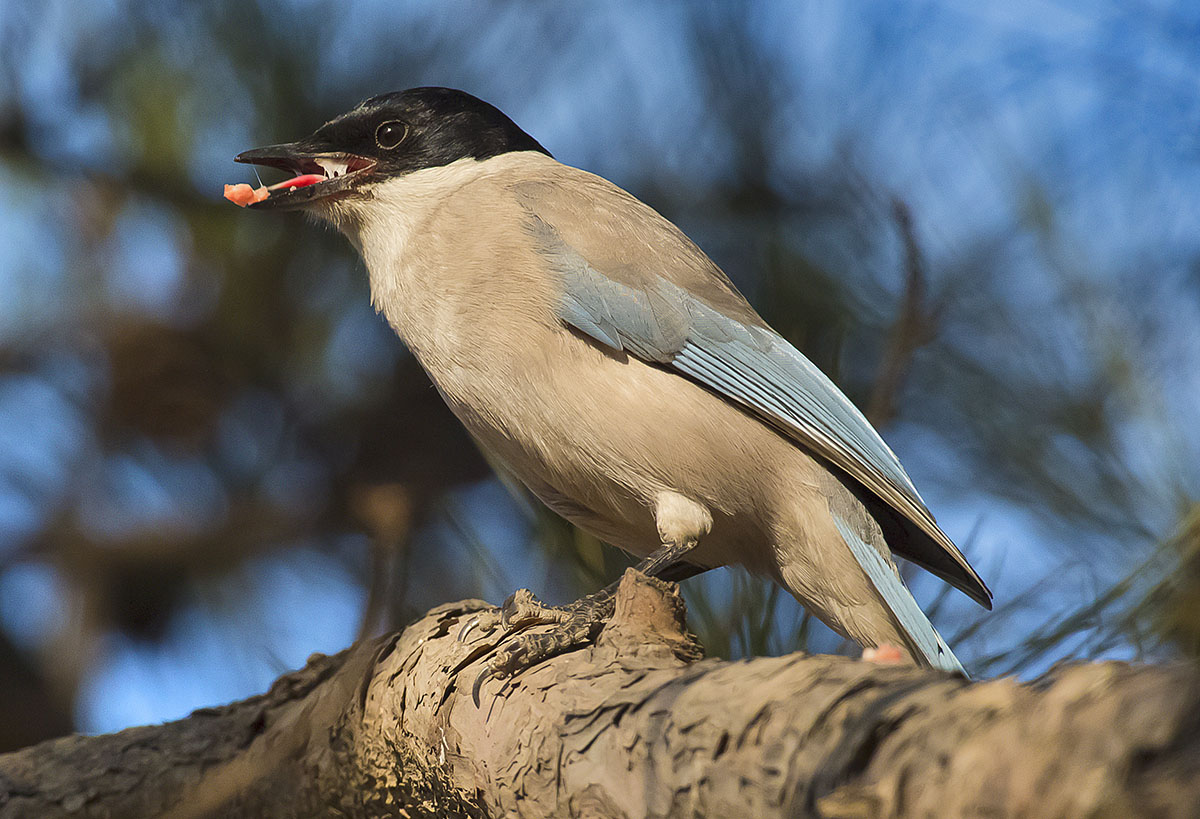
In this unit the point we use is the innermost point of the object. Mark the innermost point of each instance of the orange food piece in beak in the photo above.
(242, 194)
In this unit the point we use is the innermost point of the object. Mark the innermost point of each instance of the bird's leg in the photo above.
(575, 625)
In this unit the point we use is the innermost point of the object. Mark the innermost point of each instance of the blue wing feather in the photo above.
(573, 312)
(923, 637)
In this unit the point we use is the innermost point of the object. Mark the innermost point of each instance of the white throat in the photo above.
(384, 223)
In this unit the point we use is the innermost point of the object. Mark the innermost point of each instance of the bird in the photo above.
(598, 355)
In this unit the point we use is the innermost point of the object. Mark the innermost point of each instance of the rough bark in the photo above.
(639, 726)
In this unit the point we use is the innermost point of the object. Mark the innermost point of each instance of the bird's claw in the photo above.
(573, 627)
(472, 621)
(483, 676)
(524, 652)
(521, 610)
(478, 620)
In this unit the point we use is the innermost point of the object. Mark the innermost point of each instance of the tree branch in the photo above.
(638, 726)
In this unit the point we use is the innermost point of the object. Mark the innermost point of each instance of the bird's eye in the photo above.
(390, 134)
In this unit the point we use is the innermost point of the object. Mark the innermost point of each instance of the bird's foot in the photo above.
(574, 626)
(521, 610)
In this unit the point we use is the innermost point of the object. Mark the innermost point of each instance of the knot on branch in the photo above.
(650, 612)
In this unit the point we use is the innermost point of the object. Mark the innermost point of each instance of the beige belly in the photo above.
(597, 436)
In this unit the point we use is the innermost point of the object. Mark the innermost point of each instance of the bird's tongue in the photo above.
(301, 181)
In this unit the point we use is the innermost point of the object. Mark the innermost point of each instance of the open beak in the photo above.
(316, 173)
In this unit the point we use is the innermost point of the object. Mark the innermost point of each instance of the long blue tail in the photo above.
(923, 637)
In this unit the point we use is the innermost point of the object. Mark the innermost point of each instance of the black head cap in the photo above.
(424, 128)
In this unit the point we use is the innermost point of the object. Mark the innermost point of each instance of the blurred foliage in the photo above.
(1174, 603)
(983, 225)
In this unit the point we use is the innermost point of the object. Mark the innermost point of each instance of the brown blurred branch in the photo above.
(914, 327)
(636, 727)
(386, 513)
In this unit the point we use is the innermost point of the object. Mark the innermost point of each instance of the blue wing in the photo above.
(922, 636)
(750, 364)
